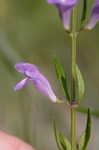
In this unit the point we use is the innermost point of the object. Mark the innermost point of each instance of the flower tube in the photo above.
(65, 9)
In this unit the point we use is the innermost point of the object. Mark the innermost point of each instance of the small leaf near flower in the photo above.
(80, 85)
(61, 77)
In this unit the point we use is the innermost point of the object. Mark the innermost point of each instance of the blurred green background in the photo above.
(31, 31)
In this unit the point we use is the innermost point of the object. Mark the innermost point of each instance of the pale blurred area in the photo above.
(30, 31)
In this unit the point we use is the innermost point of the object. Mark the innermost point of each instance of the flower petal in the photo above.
(21, 84)
(63, 2)
(94, 16)
(32, 74)
(26, 67)
(43, 85)
(65, 15)
(65, 10)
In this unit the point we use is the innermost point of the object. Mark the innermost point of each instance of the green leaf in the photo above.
(87, 131)
(85, 138)
(80, 84)
(61, 77)
(62, 142)
(81, 141)
(86, 12)
(57, 136)
(93, 112)
(65, 87)
(59, 68)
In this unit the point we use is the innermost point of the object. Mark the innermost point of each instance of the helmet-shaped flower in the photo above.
(33, 75)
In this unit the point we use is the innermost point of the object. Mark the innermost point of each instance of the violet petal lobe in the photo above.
(43, 85)
(22, 67)
(21, 84)
(94, 16)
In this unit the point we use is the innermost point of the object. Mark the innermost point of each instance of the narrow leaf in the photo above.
(93, 112)
(65, 87)
(84, 11)
(56, 134)
(59, 68)
(85, 137)
(62, 142)
(80, 84)
(61, 77)
(81, 141)
(87, 131)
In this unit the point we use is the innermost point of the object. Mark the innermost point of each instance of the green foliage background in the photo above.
(31, 31)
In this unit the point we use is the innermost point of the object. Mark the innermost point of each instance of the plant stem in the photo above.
(73, 79)
(73, 129)
(74, 48)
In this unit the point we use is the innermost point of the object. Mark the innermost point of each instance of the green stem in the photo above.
(74, 48)
(73, 79)
(73, 76)
(73, 129)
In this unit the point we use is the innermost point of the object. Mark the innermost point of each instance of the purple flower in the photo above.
(94, 16)
(32, 74)
(65, 9)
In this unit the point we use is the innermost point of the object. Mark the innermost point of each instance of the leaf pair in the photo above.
(61, 75)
